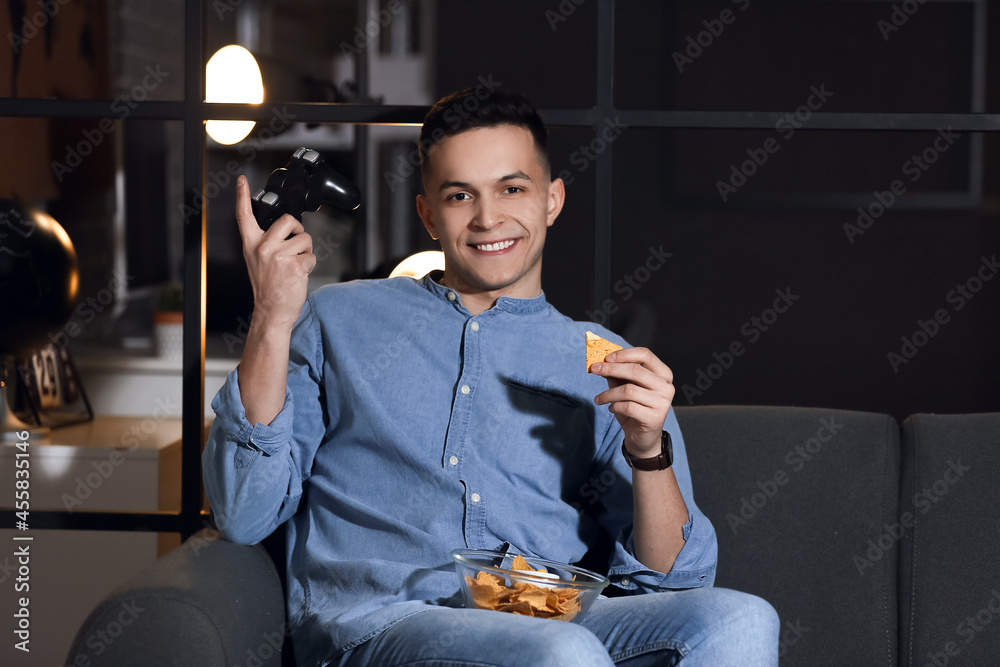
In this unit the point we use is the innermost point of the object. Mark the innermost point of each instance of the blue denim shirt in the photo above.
(411, 428)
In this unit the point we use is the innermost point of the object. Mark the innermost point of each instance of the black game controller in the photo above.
(303, 184)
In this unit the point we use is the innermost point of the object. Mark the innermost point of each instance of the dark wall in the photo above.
(783, 241)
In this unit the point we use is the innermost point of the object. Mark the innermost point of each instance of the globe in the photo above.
(39, 278)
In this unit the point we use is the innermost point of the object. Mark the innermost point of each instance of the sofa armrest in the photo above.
(949, 584)
(209, 602)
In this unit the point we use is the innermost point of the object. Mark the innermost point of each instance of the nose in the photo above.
(489, 214)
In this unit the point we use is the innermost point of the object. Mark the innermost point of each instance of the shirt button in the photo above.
(451, 296)
(475, 326)
(453, 460)
(476, 498)
(465, 389)
(626, 581)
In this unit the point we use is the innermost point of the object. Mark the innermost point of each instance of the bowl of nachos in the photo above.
(525, 585)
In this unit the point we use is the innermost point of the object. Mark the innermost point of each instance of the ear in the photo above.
(426, 216)
(556, 199)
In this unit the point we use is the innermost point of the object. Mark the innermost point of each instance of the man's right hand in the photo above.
(279, 266)
(279, 270)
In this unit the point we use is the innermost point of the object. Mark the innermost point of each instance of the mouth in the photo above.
(494, 248)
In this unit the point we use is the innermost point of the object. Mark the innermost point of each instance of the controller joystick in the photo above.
(303, 184)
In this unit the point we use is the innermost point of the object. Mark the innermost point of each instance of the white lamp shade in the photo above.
(232, 75)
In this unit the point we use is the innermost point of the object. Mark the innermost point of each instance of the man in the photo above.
(389, 422)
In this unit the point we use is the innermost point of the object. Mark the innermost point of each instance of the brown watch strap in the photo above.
(661, 461)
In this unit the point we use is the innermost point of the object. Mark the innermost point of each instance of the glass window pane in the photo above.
(794, 296)
(115, 188)
(418, 49)
(545, 50)
(114, 49)
(768, 56)
(336, 233)
(567, 275)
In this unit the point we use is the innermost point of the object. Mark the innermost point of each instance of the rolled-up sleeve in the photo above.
(254, 473)
(695, 565)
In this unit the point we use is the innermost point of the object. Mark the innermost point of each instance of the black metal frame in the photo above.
(193, 112)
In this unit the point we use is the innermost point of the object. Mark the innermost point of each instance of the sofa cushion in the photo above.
(949, 579)
(804, 504)
(207, 603)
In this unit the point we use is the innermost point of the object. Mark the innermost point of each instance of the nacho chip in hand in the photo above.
(598, 348)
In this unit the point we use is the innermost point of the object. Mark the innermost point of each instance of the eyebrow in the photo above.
(517, 175)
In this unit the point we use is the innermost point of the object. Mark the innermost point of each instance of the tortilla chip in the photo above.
(598, 348)
(490, 591)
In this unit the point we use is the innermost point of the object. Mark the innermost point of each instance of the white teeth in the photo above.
(493, 247)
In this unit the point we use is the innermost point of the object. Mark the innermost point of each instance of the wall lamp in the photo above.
(232, 75)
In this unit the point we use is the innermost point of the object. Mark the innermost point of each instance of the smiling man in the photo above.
(489, 202)
(477, 428)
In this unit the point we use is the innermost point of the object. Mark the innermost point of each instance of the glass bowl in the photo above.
(526, 585)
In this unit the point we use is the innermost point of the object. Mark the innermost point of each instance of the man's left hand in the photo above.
(640, 390)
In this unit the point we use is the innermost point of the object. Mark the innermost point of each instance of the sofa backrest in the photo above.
(950, 557)
(804, 503)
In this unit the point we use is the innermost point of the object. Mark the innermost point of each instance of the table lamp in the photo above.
(39, 282)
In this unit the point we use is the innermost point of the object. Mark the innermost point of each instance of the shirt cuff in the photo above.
(267, 438)
(694, 566)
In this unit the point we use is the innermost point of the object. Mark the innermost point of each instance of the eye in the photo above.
(513, 189)
(459, 196)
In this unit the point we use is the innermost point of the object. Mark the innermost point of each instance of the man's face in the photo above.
(489, 202)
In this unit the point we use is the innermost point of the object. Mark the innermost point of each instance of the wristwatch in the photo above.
(661, 461)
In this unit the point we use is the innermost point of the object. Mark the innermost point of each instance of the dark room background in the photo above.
(790, 202)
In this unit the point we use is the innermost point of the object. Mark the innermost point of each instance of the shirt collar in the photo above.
(431, 283)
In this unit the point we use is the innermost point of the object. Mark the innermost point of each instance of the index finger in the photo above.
(639, 355)
(249, 229)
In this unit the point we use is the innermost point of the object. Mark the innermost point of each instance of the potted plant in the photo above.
(168, 321)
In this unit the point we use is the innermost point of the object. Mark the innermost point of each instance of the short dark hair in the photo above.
(477, 107)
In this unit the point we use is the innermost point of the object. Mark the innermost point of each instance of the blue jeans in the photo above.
(708, 626)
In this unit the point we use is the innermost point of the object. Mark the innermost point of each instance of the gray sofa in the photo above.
(878, 544)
